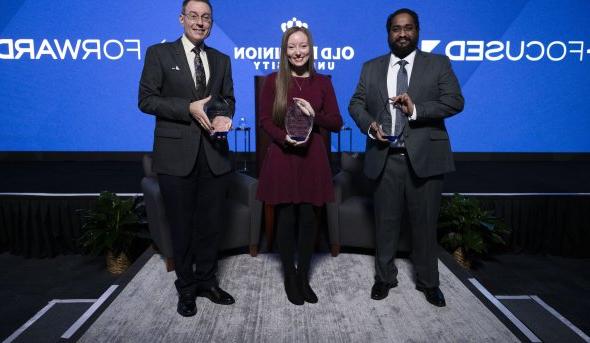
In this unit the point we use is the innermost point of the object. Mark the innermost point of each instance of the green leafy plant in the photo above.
(464, 224)
(111, 226)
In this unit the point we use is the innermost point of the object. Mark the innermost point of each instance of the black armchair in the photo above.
(351, 217)
(242, 222)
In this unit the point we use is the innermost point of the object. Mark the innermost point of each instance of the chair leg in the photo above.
(335, 249)
(253, 250)
(169, 264)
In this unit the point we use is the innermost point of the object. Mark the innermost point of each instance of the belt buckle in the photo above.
(397, 151)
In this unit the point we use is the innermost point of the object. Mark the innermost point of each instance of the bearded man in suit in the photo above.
(191, 161)
(400, 102)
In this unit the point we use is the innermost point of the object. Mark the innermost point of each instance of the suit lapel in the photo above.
(184, 67)
(212, 69)
(382, 79)
(420, 62)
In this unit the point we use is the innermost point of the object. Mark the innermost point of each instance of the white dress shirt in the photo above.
(392, 84)
(392, 81)
(190, 57)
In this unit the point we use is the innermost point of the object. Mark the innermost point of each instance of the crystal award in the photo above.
(297, 123)
(216, 107)
(388, 128)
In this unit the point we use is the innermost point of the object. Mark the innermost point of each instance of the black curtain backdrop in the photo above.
(545, 224)
(34, 226)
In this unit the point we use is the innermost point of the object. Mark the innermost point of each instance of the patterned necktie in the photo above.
(200, 79)
(402, 87)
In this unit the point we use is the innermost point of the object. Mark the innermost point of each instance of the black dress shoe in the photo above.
(292, 290)
(380, 290)
(306, 292)
(217, 295)
(433, 295)
(187, 306)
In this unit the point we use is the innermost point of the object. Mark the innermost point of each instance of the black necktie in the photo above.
(200, 79)
(402, 87)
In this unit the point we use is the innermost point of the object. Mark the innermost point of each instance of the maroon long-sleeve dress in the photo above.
(298, 174)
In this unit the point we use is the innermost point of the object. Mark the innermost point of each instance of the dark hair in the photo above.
(400, 11)
(185, 2)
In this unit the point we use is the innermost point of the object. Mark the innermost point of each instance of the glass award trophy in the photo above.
(217, 106)
(297, 123)
(388, 128)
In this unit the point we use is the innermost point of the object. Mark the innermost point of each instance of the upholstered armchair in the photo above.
(351, 218)
(241, 224)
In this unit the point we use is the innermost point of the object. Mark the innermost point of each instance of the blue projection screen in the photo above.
(69, 70)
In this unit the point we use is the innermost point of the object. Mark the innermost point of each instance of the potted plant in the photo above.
(111, 227)
(465, 229)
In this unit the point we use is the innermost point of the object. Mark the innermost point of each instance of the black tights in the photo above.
(288, 216)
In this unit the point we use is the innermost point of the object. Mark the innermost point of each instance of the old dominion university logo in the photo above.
(267, 58)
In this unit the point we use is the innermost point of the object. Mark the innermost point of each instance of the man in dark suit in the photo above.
(178, 79)
(400, 102)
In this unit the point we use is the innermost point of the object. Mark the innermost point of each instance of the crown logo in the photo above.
(293, 22)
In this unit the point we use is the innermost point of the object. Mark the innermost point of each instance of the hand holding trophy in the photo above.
(217, 110)
(299, 122)
(387, 131)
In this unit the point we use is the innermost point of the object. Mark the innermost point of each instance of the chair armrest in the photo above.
(147, 164)
(333, 219)
(157, 223)
(342, 186)
(242, 189)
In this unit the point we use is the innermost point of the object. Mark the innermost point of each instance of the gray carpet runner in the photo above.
(145, 311)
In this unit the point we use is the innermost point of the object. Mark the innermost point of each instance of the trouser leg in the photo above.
(423, 198)
(179, 197)
(211, 194)
(389, 208)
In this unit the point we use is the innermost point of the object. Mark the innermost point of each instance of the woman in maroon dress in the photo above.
(295, 175)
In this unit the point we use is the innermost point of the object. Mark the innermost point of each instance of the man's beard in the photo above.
(404, 51)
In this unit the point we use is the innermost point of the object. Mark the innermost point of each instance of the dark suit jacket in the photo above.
(166, 89)
(436, 93)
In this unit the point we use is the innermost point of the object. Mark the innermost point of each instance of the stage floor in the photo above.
(145, 311)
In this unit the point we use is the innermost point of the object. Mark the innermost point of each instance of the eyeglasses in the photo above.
(193, 17)
(407, 28)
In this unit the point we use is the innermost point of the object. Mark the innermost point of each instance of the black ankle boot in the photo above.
(292, 290)
(306, 291)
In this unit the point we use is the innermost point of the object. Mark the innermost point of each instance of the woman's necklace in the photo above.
(300, 86)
